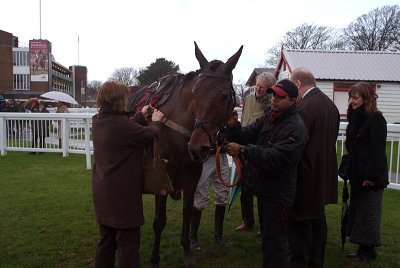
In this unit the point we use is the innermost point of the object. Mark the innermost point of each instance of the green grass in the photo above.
(46, 220)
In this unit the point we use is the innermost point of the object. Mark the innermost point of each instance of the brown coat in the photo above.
(117, 171)
(317, 181)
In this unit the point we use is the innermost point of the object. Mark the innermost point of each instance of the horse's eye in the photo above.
(224, 98)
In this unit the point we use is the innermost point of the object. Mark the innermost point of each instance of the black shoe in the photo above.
(31, 153)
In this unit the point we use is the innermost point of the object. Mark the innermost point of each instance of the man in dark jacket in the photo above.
(317, 180)
(117, 174)
(273, 146)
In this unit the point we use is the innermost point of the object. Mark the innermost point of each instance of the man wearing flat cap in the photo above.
(273, 146)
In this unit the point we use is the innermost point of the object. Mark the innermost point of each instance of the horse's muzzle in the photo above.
(199, 153)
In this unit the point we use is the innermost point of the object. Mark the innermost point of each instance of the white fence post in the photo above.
(3, 138)
(65, 136)
(87, 145)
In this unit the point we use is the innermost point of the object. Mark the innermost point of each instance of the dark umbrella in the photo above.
(345, 213)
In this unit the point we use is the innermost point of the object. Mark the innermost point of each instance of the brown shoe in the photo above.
(243, 227)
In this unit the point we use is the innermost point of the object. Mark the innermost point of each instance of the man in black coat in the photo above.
(317, 173)
(273, 146)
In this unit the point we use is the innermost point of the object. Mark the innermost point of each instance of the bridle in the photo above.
(201, 123)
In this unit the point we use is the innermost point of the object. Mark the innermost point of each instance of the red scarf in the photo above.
(273, 116)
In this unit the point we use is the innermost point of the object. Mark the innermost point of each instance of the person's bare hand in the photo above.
(157, 115)
(147, 111)
(232, 122)
(367, 183)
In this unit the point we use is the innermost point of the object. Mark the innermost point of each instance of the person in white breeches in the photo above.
(201, 199)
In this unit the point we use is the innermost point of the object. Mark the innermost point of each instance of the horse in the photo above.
(199, 105)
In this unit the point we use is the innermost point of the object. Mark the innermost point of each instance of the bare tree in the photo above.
(94, 85)
(377, 30)
(92, 89)
(306, 36)
(126, 75)
(240, 90)
(273, 55)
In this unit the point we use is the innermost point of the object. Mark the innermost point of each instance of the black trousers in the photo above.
(307, 240)
(246, 203)
(274, 234)
(127, 241)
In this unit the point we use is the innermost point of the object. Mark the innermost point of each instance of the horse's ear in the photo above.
(231, 63)
(200, 57)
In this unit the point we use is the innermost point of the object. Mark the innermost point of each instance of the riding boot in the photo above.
(219, 226)
(194, 227)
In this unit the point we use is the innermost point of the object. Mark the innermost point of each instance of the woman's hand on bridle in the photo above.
(157, 115)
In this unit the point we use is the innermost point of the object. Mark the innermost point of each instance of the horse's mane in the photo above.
(191, 75)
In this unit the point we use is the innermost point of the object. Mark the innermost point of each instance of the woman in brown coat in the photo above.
(117, 174)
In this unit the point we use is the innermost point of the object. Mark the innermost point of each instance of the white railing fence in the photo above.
(71, 133)
(47, 132)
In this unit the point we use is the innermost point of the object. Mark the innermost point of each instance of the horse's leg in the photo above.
(159, 223)
(188, 197)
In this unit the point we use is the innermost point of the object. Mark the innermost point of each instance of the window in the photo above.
(21, 81)
(20, 58)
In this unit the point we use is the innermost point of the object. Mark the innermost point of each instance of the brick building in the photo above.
(31, 71)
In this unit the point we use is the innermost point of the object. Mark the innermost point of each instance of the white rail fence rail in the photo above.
(70, 133)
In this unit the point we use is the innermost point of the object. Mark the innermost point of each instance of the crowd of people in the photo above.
(286, 141)
(39, 129)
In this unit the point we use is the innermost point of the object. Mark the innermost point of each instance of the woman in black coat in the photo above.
(366, 144)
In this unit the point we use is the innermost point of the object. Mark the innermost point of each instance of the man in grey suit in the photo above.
(317, 180)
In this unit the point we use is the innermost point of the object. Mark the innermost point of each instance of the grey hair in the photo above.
(268, 77)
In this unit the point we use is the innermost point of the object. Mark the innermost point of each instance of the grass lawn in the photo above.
(46, 220)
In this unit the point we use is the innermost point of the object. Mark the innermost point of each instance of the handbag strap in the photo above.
(156, 152)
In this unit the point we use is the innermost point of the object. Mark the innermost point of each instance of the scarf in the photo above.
(356, 119)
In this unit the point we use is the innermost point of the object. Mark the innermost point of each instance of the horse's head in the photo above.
(214, 99)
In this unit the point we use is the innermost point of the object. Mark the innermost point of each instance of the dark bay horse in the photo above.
(199, 105)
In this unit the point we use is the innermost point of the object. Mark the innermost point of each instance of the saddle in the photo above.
(156, 94)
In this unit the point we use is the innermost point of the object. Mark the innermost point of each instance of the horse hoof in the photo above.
(189, 261)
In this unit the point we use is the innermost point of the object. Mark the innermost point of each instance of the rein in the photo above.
(218, 169)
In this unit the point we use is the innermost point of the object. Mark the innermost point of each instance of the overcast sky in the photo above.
(133, 33)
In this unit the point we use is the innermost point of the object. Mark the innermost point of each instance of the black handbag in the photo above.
(344, 167)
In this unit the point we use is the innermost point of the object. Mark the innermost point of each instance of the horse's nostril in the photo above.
(204, 150)
(199, 154)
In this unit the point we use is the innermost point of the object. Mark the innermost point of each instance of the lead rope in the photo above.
(218, 169)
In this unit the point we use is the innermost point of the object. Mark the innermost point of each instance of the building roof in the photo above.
(345, 65)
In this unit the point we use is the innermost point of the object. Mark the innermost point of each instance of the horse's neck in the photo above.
(182, 104)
